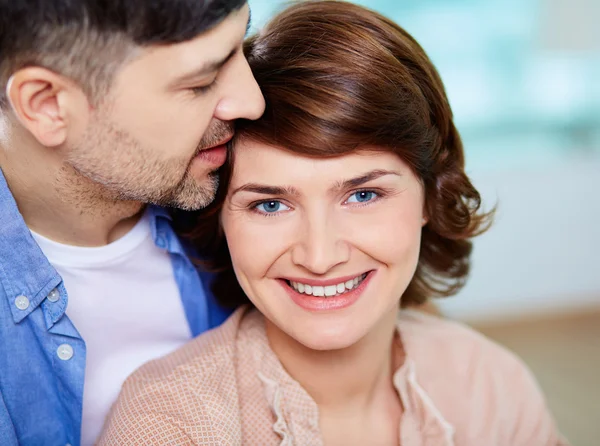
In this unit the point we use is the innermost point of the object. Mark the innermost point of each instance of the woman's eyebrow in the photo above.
(265, 189)
(364, 178)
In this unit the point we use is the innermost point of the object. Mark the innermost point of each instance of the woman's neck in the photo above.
(351, 378)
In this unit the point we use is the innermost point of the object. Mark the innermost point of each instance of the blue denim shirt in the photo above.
(41, 394)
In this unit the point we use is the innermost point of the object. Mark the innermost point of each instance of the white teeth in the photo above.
(330, 290)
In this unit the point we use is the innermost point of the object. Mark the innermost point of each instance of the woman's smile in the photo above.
(334, 294)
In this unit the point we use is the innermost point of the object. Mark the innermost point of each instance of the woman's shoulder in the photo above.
(189, 393)
(203, 356)
(473, 363)
(480, 387)
(453, 342)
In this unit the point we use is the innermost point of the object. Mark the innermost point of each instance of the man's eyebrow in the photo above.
(362, 179)
(206, 68)
(264, 189)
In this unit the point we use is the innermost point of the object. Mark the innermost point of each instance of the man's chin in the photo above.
(191, 197)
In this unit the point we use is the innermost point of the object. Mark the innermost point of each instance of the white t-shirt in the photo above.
(125, 303)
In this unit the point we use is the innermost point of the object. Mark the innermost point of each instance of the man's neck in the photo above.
(351, 378)
(61, 205)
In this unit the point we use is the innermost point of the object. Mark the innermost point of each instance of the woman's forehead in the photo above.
(250, 154)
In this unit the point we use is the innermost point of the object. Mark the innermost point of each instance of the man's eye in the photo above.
(203, 89)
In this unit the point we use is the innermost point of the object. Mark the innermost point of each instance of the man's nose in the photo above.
(242, 96)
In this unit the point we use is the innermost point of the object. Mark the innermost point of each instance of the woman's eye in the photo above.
(362, 196)
(270, 207)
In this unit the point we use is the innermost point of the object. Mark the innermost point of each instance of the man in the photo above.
(106, 105)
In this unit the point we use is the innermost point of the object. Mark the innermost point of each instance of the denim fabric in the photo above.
(41, 394)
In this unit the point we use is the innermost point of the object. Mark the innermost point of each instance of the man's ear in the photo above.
(43, 101)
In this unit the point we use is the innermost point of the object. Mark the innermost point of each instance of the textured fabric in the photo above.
(133, 276)
(228, 387)
(40, 394)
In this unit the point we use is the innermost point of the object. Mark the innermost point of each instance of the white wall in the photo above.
(542, 254)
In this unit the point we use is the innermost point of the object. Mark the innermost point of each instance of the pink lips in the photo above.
(215, 156)
(318, 304)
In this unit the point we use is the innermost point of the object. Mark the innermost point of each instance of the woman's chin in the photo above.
(328, 338)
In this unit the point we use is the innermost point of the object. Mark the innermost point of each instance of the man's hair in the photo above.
(337, 77)
(88, 40)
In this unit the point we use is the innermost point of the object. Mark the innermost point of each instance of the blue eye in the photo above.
(362, 196)
(271, 207)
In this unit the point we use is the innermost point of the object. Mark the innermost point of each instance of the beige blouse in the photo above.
(227, 387)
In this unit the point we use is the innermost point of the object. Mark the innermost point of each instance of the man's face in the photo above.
(159, 136)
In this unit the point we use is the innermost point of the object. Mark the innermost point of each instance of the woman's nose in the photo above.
(320, 247)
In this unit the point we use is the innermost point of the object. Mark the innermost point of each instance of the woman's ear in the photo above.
(425, 218)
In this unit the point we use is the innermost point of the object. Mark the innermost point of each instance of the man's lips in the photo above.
(219, 144)
(215, 155)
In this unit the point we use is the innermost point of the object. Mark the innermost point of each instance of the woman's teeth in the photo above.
(330, 290)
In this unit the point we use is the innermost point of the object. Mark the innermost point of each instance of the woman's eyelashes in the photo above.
(269, 207)
(273, 207)
(362, 197)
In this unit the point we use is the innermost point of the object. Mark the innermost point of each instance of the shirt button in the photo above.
(22, 303)
(54, 295)
(65, 352)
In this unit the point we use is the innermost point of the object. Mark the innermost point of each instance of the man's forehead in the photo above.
(205, 53)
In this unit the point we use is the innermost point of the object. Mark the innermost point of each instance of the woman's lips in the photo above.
(327, 303)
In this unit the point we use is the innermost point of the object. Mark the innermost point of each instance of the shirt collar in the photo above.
(294, 410)
(24, 269)
(157, 212)
(160, 226)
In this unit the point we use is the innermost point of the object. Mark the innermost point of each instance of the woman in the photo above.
(346, 201)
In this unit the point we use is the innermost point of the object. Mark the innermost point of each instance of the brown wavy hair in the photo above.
(338, 77)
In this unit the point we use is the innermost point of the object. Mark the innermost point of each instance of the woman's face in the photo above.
(324, 248)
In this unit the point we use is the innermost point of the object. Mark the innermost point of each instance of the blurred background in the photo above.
(523, 78)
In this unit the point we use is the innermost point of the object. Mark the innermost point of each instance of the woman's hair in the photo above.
(336, 78)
